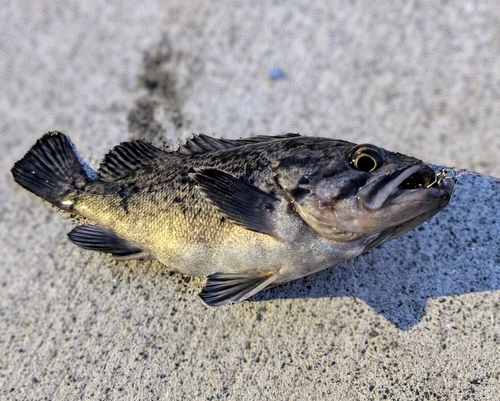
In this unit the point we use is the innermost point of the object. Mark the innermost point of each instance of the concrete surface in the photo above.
(415, 319)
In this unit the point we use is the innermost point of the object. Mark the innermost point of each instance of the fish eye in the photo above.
(366, 158)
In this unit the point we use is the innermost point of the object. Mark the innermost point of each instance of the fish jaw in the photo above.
(400, 199)
(377, 192)
(416, 185)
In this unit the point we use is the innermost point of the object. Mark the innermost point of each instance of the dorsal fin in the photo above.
(264, 138)
(203, 143)
(127, 157)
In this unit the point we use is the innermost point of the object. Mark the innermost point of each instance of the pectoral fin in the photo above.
(224, 288)
(101, 239)
(242, 203)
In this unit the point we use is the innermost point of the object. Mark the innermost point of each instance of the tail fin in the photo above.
(52, 168)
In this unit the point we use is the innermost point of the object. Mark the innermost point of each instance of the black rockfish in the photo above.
(246, 214)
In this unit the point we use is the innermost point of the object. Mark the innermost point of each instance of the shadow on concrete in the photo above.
(456, 252)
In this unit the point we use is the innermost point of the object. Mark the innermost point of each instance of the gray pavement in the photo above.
(418, 318)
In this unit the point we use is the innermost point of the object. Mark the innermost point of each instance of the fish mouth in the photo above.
(418, 183)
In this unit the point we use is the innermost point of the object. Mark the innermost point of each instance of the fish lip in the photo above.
(391, 188)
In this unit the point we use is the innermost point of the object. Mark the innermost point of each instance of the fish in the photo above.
(246, 214)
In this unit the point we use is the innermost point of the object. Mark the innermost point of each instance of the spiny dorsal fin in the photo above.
(201, 143)
(127, 157)
(244, 204)
(265, 138)
(224, 288)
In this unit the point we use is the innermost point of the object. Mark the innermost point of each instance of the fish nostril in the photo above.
(300, 192)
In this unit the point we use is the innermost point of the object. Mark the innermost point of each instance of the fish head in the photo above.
(345, 192)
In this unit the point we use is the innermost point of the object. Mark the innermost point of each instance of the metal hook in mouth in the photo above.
(452, 173)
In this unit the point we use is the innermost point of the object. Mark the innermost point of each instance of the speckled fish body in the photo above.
(246, 213)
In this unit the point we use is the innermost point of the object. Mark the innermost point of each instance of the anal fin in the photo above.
(224, 288)
(101, 239)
